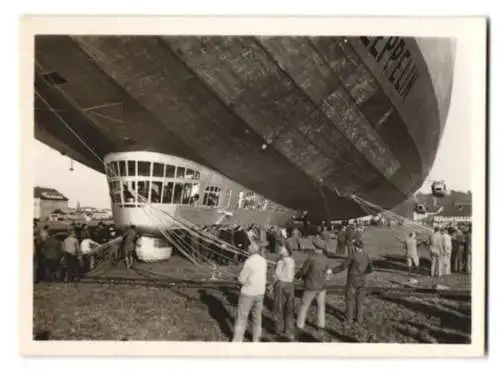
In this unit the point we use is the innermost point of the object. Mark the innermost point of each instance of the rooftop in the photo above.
(48, 194)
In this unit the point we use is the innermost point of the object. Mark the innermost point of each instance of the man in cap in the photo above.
(341, 241)
(358, 265)
(253, 277)
(352, 235)
(314, 272)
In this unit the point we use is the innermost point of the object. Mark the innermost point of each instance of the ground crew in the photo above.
(436, 248)
(358, 266)
(283, 290)
(411, 250)
(52, 254)
(129, 241)
(341, 242)
(314, 272)
(352, 235)
(253, 280)
(293, 242)
(114, 249)
(40, 235)
(72, 257)
(458, 242)
(241, 241)
(468, 250)
(447, 249)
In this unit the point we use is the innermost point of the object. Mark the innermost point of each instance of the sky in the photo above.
(453, 161)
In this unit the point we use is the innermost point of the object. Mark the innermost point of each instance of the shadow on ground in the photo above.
(398, 264)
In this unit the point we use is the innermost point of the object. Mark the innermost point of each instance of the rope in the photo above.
(360, 201)
(320, 187)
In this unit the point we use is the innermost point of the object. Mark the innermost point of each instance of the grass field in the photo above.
(89, 311)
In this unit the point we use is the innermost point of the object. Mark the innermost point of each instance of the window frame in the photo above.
(167, 166)
(164, 192)
(124, 163)
(130, 163)
(162, 165)
(113, 166)
(156, 182)
(211, 190)
(131, 184)
(176, 184)
(177, 174)
(228, 194)
(149, 166)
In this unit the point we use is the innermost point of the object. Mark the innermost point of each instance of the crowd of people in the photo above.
(314, 273)
(59, 256)
(450, 251)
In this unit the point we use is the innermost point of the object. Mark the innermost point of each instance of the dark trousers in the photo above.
(458, 260)
(350, 250)
(52, 270)
(38, 268)
(283, 307)
(341, 249)
(355, 298)
(72, 268)
(114, 254)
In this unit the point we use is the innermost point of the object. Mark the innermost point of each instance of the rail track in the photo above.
(149, 280)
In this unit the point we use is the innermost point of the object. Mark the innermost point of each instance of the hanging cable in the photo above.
(327, 209)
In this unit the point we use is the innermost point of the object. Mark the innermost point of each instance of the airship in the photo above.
(244, 129)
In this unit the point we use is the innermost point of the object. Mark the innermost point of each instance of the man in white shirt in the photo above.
(411, 249)
(253, 278)
(447, 248)
(436, 248)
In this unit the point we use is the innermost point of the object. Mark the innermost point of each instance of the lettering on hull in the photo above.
(398, 63)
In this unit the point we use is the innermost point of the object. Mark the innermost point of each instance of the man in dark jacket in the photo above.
(241, 241)
(314, 272)
(72, 257)
(52, 254)
(130, 238)
(100, 233)
(358, 265)
(39, 236)
(458, 242)
(341, 242)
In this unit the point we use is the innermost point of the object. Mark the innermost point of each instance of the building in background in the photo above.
(453, 208)
(48, 200)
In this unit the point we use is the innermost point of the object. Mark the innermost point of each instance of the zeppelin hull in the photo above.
(296, 119)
